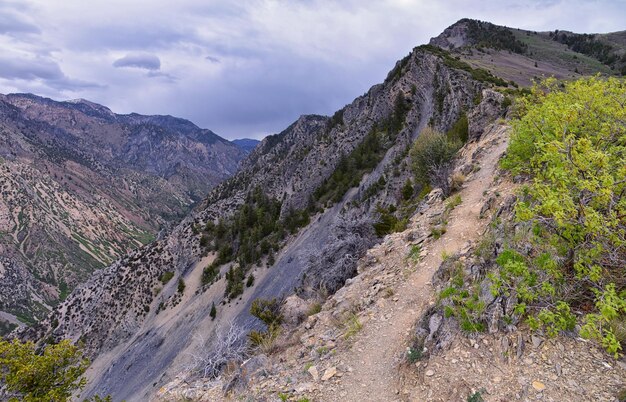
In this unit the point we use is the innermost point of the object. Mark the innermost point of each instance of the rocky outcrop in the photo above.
(453, 37)
(491, 107)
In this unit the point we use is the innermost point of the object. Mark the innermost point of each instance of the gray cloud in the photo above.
(44, 70)
(15, 20)
(145, 61)
(11, 24)
(246, 68)
(29, 69)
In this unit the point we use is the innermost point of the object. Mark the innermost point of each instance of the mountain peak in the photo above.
(474, 33)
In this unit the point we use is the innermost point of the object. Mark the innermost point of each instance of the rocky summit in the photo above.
(401, 249)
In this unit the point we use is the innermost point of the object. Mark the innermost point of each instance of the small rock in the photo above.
(430, 373)
(520, 346)
(558, 369)
(304, 387)
(497, 380)
(537, 341)
(329, 373)
(538, 386)
(313, 371)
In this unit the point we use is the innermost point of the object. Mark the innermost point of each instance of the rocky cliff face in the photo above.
(125, 315)
(82, 186)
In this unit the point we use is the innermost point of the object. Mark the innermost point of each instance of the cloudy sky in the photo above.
(242, 68)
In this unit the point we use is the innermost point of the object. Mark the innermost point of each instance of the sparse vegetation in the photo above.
(315, 308)
(227, 346)
(254, 231)
(352, 326)
(475, 397)
(365, 157)
(268, 311)
(478, 74)
(414, 252)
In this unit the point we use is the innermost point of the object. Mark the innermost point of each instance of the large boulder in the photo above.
(294, 310)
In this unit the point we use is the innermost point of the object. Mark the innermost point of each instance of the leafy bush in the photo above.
(388, 222)
(459, 131)
(571, 143)
(268, 311)
(413, 355)
(166, 277)
(431, 158)
(181, 286)
(49, 376)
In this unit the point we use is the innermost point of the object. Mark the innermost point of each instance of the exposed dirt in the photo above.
(355, 349)
(377, 348)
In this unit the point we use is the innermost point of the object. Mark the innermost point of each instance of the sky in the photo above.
(245, 68)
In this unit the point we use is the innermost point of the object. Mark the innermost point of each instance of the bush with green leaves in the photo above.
(52, 375)
(571, 145)
(431, 158)
(269, 312)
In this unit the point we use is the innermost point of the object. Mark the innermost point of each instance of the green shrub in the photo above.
(250, 281)
(181, 285)
(49, 376)
(387, 223)
(475, 397)
(213, 312)
(459, 132)
(413, 355)
(431, 157)
(407, 190)
(571, 143)
(314, 309)
(268, 311)
(415, 252)
(166, 277)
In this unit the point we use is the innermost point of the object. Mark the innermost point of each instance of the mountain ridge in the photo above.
(333, 177)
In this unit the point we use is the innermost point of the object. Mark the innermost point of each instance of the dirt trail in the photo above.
(381, 343)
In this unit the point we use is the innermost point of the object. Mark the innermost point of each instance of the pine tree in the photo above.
(213, 312)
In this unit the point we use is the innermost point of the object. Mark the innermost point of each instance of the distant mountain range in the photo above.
(82, 186)
(246, 144)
